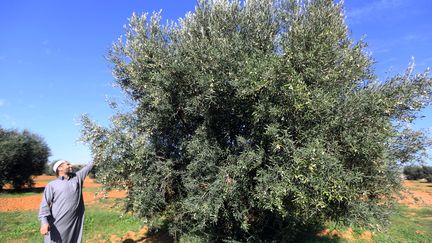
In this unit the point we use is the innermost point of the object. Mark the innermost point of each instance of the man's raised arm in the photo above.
(85, 170)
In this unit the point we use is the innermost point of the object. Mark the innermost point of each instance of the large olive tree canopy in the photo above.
(253, 119)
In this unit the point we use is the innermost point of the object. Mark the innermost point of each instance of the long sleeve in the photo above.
(85, 171)
(45, 211)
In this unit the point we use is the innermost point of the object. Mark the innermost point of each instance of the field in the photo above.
(105, 221)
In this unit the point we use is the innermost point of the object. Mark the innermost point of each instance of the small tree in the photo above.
(252, 120)
(22, 154)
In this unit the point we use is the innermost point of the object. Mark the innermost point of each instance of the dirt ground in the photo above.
(31, 202)
(418, 194)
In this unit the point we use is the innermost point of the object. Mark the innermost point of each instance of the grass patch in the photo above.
(101, 221)
(22, 225)
(91, 189)
(424, 212)
(408, 225)
(7, 194)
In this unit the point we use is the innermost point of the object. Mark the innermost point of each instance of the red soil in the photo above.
(418, 194)
(21, 203)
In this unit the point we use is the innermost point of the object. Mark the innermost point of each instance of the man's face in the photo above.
(65, 168)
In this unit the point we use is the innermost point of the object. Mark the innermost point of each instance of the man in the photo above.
(62, 209)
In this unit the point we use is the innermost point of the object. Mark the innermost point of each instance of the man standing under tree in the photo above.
(62, 208)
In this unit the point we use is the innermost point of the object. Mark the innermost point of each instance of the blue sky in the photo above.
(52, 66)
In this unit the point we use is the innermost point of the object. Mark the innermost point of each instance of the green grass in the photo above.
(101, 221)
(18, 194)
(407, 225)
(19, 226)
(92, 189)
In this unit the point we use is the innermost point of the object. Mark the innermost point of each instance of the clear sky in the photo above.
(53, 70)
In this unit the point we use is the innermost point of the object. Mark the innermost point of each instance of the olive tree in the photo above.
(253, 120)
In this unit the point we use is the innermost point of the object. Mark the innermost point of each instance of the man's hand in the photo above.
(44, 229)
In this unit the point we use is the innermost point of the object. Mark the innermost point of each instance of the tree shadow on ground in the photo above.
(160, 238)
(317, 238)
(167, 239)
(307, 237)
(314, 233)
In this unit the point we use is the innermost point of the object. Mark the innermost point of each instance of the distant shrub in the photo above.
(427, 170)
(418, 172)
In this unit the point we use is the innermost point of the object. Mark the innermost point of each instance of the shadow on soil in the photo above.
(166, 238)
(161, 237)
(314, 234)
(311, 236)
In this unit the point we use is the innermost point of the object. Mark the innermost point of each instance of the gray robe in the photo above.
(63, 207)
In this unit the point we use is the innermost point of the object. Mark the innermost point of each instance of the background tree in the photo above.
(414, 172)
(48, 170)
(253, 120)
(22, 154)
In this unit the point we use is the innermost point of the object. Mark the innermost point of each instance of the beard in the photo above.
(70, 171)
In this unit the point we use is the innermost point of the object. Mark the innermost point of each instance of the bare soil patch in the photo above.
(367, 236)
(417, 195)
(11, 204)
(345, 235)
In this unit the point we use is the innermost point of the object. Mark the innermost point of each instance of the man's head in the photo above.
(62, 167)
